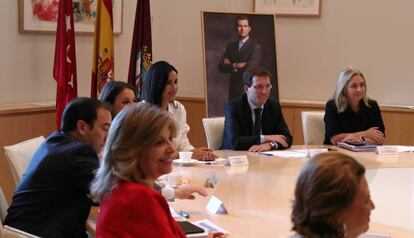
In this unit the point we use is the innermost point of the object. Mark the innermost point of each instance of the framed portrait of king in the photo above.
(233, 42)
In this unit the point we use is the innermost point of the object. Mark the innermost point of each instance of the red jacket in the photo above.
(136, 210)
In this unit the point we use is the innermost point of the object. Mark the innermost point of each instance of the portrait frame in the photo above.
(218, 31)
(29, 23)
(309, 8)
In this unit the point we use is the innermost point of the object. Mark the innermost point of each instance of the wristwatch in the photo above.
(273, 145)
(234, 67)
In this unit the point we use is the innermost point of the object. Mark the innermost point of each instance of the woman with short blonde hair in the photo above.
(138, 151)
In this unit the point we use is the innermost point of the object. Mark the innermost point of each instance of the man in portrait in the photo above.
(240, 55)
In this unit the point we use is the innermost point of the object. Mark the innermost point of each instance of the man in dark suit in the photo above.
(254, 121)
(52, 197)
(239, 56)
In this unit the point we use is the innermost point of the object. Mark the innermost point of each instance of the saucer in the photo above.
(184, 163)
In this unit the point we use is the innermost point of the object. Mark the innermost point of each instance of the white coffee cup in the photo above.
(186, 155)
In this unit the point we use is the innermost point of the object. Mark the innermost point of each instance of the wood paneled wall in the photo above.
(22, 122)
(196, 110)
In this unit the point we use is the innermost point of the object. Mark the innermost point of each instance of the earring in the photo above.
(344, 229)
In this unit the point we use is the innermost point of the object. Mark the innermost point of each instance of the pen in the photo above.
(267, 154)
(184, 214)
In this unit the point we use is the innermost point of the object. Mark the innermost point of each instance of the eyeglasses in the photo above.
(261, 87)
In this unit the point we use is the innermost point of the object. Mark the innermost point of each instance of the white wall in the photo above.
(374, 35)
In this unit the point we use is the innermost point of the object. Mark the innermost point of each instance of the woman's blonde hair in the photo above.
(345, 76)
(133, 130)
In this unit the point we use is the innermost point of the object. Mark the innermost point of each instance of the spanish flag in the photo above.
(103, 50)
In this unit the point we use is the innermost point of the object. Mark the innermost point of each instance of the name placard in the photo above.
(238, 160)
(216, 206)
(211, 181)
(387, 150)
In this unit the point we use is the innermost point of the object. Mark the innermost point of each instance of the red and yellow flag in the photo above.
(103, 50)
(64, 70)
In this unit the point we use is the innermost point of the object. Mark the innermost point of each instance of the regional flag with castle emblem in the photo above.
(141, 50)
(103, 50)
(64, 70)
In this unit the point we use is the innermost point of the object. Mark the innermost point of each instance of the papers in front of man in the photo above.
(295, 154)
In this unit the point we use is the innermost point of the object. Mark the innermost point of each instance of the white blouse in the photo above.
(179, 113)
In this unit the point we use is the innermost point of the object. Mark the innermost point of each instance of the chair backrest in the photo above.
(214, 129)
(313, 127)
(3, 206)
(6, 231)
(10, 232)
(19, 156)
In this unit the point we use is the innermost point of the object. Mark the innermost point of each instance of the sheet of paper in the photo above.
(174, 214)
(288, 154)
(374, 235)
(402, 148)
(210, 226)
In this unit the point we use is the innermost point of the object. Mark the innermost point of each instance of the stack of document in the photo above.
(358, 148)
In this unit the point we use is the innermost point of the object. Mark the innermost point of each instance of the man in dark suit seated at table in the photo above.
(254, 121)
(52, 197)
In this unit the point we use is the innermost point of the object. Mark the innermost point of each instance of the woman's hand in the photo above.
(204, 154)
(187, 192)
(375, 135)
(352, 138)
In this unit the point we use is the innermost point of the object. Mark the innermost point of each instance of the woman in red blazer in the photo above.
(138, 151)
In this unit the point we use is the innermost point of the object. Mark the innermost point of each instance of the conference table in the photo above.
(258, 197)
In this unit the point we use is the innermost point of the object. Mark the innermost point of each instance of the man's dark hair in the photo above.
(241, 17)
(155, 82)
(81, 108)
(112, 89)
(254, 71)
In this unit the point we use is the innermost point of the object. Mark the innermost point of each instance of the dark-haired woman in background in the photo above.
(332, 198)
(160, 87)
(117, 95)
(351, 116)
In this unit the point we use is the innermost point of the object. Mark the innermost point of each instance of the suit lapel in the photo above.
(267, 122)
(247, 114)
